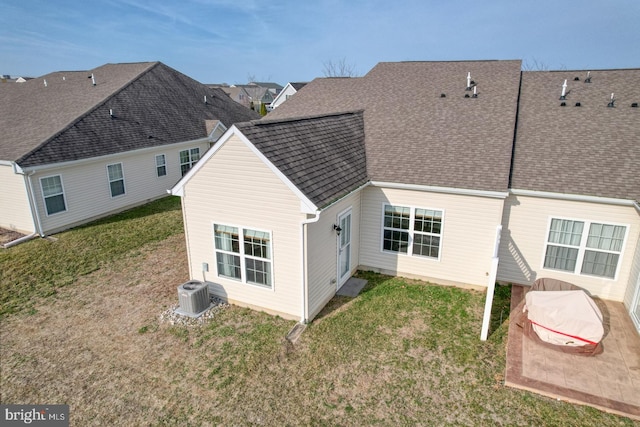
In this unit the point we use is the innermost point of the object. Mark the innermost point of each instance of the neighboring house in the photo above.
(489, 164)
(289, 90)
(78, 145)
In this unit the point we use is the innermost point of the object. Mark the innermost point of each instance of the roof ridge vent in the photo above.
(563, 95)
(588, 79)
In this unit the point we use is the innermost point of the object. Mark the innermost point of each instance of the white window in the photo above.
(116, 179)
(412, 231)
(188, 158)
(53, 194)
(243, 254)
(584, 247)
(161, 165)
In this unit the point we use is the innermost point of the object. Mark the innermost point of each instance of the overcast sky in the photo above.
(217, 41)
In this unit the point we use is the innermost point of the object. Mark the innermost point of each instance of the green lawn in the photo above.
(403, 352)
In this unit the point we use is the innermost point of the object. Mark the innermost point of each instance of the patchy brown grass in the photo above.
(399, 354)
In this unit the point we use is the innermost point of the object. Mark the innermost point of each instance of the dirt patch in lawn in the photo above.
(7, 236)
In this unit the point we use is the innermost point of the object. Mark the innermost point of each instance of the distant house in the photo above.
(289, 90)
(491, 166)
(78, 145)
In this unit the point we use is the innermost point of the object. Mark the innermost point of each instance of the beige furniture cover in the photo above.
(565, 318)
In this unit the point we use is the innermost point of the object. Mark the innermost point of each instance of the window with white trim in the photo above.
(161, 165)
(412, 231)
(243, 254)
(53, 194)
(116, 179)
(584, 247)
(188, 158)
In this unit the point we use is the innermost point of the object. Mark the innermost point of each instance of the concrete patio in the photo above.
(609, 381)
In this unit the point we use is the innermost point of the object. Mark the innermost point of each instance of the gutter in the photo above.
(577, 198)
(448, 190)
(305, 288)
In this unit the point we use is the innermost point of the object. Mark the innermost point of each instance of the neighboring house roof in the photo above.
(415, 136)
(590, 150)
(273, 87)
(289, 90)
(69, 118)
(323, 156)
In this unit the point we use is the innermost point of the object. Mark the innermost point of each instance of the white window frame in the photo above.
(411, 231)
(190, 162)
(124, 187)
(582, 248)
(244, 256)
(164, 165)
(44, 197)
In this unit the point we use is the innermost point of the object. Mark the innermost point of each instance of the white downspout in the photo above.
(32, 201)
(304, 315)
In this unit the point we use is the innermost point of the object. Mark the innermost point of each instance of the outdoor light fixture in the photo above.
(337, 228)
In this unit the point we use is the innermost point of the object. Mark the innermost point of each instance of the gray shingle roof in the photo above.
(322, 156)
(68, 119)
(589, 150)
(415, 136)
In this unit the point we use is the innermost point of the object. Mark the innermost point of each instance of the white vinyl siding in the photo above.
(116, 179)
(322, 251)
(247, 194)
(188, 158)
(15, 211)
(525, 235)
(53, 194)
(87, 190)
(161, 165)
(466, 247)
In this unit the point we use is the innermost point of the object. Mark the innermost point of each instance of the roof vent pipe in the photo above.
(475, 92)
(588, 79)
(111, 113)
(564, 90)
(205, 99)
(93, 79)
(469, 80)
(45, 82)
(612, 102)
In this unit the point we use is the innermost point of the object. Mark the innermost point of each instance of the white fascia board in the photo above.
(574, 197)
(112, 156)
(447, 190)
(306, 205)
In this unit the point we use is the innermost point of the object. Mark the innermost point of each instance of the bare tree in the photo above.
(534, 65)
(339, 68)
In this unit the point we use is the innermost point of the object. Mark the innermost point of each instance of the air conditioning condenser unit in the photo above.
(194, 298)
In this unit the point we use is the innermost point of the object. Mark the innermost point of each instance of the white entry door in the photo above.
(344, 247)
